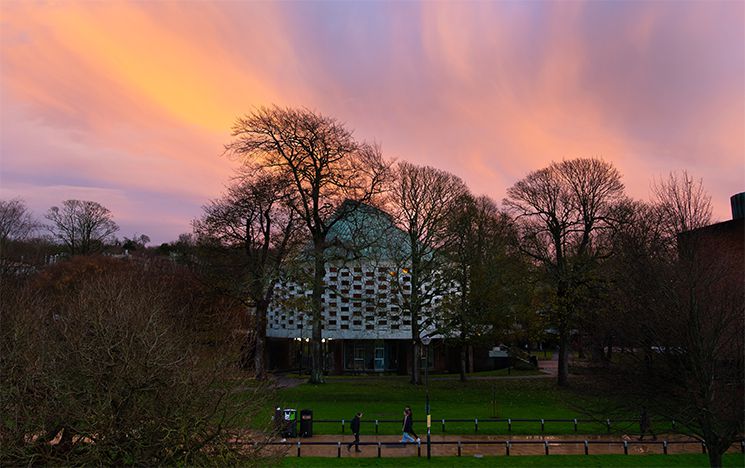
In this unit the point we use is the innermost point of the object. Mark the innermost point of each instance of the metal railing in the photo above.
(623, 445)
(608, 423)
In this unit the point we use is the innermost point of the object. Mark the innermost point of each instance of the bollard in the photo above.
(379, 448)
(575, 424)
(625, 447)
(587, 448)
(342, 426)
(509, 425)
(298, 448)
(664, 447)
(545, 445)
(543, 424)
(507, 448)
(459, 448)
(376, 426)
(443, 425)
(338, 450)
(607, 423)
(476, 424)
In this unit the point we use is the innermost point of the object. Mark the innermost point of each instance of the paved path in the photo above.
(391, 447)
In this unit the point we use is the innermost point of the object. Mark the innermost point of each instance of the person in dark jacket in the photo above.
(355, 426)
(408, 427)
(645, 424)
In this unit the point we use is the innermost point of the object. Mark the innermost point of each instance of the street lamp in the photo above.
(425, 341)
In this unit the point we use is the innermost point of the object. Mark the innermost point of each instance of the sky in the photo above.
(130, 104)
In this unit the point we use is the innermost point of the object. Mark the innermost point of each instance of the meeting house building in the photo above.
(365, 325)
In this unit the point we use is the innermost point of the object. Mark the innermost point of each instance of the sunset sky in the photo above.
(130, 104)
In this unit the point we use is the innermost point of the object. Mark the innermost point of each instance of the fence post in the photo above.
(625, 447)
(379, 448)
(673, 425)
(298, 448)
(607, 424)
(342, 426)
(509, 424)
(338, 450)
(703, 447)
(742, 446)
(664, 447)
(507, 448)
(376, 426)
(587, 448)
(543, 424)
(443, 425)
(575, 424)
(459, 448)
(476, 424)
(419, 449)
(545, 445)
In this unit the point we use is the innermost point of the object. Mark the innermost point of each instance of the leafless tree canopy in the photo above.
(16, 222)
(256, 219)
(561, 211)
(683, 203)
(102, 364)
(420, 199)
(81, 225)
(324, 166)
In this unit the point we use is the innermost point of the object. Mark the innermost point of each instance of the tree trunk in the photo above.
(416, 374)
(563, 357)
(316, 371)
(260, 341)
(463, 362)
(715, 458)
(470, 359)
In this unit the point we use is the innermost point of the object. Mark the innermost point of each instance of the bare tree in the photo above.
(254, 218)
(102, 364)
(682, 330)
(325, 166)
(683, 203)
(421, 197)
(480, 267)
(81, 225)
(16, 223)
(561, 209)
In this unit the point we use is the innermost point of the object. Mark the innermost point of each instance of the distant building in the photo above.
(365, 327)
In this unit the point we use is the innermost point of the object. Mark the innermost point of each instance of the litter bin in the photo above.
(306, 423)
(290, 416)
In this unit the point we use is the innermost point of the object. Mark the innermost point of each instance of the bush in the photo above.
(100, 366)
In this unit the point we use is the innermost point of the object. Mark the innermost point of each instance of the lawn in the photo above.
(384, 399)
(594, 461)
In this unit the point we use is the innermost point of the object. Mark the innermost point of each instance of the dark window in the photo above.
(369, 327)
(345, 327)
(357, 322)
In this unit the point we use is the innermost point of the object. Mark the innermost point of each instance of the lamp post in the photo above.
(300, 325)
(425, 341)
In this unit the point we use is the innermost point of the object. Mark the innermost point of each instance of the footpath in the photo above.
(473, 445)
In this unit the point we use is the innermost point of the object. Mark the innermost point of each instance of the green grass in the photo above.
(594, 461)
(384, 399)
(493, 373)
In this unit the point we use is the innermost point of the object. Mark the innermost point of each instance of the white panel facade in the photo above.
(360, 302)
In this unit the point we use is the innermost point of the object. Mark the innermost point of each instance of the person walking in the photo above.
(408, 427)
(355, 426)
(645, 424)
